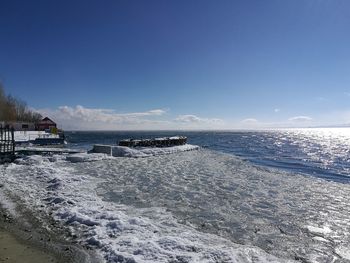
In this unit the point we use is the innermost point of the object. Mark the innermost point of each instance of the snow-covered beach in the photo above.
(198, 206)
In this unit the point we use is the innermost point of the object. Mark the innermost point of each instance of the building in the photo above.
(22, 126)
(18, 125)
(46, 124)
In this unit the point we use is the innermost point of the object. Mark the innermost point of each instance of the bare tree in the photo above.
(14, 109)
(2, 103)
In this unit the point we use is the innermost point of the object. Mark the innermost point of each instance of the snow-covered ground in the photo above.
(197, 206)
(120, 233)
(26, 136)
(122, 151)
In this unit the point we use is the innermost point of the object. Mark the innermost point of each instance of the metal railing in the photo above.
(7, 142)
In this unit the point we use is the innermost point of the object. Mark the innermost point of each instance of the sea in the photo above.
(243, 196)
(319, 152)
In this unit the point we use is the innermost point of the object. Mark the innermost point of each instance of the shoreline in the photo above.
(14, 250)
(23, 236)
(96, 203)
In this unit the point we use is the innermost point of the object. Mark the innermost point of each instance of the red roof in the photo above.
(47, 120)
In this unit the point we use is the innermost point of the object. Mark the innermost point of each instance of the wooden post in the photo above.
(1, 138)
(13, 142)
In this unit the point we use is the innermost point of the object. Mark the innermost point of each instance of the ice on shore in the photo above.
(86, 157)
(102, 152)
(186, 207)
(123, 151)
(7, 204)
(120, 233)
(319, 230)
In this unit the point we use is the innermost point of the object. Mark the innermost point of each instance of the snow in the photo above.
(319, 230)
(25, 136)
(343, 251)
(7, 204)
(153, 209)
(120, 233)
(86, 157)
(123, 151)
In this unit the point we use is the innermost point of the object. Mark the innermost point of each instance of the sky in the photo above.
(176, 64)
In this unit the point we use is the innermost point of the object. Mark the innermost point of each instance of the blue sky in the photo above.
(179, 64)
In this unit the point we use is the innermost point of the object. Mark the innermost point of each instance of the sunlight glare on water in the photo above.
(329, 147)
(322, 152)
(202, 204)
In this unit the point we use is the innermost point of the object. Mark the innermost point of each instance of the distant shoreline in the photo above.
(216, 130)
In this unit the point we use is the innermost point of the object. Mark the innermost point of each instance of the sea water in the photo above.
(242, 197)
(323, 152)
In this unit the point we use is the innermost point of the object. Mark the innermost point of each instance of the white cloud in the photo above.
(277, 110)
(347, 94)
(187, 118)
(79, 117)
(102, 115)
(194, 119)
(250, 121)
(157, 112)
(82, 118)
(300, 119)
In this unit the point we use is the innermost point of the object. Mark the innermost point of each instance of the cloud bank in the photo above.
(195, 119)
(300, 119)
(250, 121)
(82, 118)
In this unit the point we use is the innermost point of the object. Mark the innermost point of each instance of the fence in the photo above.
(7, 143)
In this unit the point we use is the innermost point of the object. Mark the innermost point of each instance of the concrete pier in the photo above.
(123, 151)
